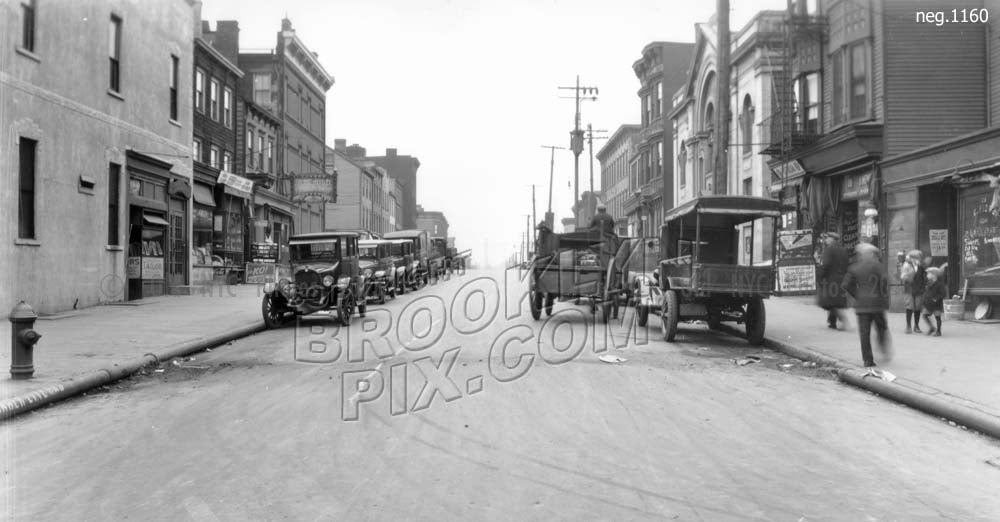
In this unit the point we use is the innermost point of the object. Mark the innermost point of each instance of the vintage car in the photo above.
(378, 269)
(699, 276)
(418, 274)
(325, 276)
(401, 255)
(438, 259)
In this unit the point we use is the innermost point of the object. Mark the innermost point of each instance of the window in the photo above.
(250, 158)
(114, 195)
(227, 107)
(196, 150)
(748, 186)
(213, 156)
(114, 52)
(682, 165)
(227, 162)
(658, 106)
(173, 87)
(747, 125)
(645, 110)
(659, 159)
(199, 90)
(663, 96)
(809, 96)
(838, 87)
(28, 25)
(270, 154)
(859, 81)
(213, 99)
(262, 89)
(26, 186)
(260, 150)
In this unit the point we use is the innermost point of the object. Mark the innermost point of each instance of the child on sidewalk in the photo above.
(914, 281)
(934, 296)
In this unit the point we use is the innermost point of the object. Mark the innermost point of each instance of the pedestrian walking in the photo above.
(914, 279)
(934, 296)
(832, 269)
(868, 283)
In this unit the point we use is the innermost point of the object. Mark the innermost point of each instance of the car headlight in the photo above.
(328, 280)
(367, 273)
(380, 273)
(343, 281)
(286, 287)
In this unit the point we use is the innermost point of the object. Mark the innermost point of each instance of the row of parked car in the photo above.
(341, 272)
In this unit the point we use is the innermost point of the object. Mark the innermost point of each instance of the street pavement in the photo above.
(454, 422)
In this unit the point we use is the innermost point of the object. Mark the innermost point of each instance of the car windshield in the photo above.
(319, 251)
(369, 252)
(398, 249)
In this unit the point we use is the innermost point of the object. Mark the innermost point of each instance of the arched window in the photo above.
(747, 130)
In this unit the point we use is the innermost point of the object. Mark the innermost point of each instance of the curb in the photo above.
(37, 398)
(855, 376)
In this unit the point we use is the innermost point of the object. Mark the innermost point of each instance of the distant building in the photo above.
(403, 169)
(95, 189)
(360, 192)
(433, 222)
(586, 207)
(616, 170)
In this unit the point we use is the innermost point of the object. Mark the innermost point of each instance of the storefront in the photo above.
(945, 201)
(272, 221)
(157, 237)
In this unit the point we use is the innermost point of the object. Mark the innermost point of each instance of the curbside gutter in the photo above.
(37, 398)
(852, 374)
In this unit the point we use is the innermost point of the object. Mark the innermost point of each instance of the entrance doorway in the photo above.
(177, 264)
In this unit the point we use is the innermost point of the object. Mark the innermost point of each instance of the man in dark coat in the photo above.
(602, 222)
(831, 273)
(868, 283)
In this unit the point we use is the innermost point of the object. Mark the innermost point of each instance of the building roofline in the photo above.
(620, 131)
(201, 42)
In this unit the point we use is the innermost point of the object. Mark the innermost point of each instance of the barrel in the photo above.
(954, 309)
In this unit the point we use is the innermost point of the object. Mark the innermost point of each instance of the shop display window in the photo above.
(149, 243)
(981, 236)
(202, 240)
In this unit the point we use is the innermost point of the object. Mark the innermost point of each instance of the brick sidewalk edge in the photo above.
(972, 418)
(50, 394)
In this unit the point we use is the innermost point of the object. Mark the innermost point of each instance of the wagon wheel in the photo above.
(550, 299)
(669, 315)
(755, 319)
(536, 305)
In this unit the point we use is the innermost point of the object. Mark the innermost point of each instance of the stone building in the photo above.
(616, 173)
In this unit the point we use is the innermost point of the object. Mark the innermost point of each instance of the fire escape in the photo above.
(786, 131)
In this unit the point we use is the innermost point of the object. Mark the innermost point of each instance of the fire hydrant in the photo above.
(23, 339)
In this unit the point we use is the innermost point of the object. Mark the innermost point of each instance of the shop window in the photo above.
(980, 246)
(26, 185)
(199, 90)
(202, 238)
(28, 9)
(114, 196)
(173, 87)
(114, 52)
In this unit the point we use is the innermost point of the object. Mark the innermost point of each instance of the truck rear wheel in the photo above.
(669, 315)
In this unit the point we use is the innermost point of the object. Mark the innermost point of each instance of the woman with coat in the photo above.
(830, 295)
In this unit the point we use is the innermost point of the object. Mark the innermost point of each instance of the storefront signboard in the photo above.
(939, 242)
(264, 252)
(857, 186)
(239, 184)
(152, 268)
(133, 267)
(795, 244)
(797, 278)
(260, 273)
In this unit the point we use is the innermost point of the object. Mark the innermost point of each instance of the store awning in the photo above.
(236, 185)
(203, 195)
(153, 219)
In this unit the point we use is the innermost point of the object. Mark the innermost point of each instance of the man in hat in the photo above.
(830, 295)
(602, 222)
(867, 282)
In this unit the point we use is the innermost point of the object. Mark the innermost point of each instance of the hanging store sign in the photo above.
(856, 186)
(242, 186)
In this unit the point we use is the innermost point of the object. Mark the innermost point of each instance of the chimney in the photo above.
(356, 151)
(196, 7)
(390, 153)
(340, 144)
(227, 39)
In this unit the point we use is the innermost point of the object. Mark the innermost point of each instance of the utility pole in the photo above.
(590, 145)
(576, 138)
(721, 184)
(549, 216)
(527, 234)
(534, 215)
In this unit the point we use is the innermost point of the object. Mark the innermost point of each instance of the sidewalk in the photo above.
(76, 344)
(961, 366)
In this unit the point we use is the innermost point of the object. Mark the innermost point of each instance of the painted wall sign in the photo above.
(797, 278)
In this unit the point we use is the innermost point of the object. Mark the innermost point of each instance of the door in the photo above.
(177, 236)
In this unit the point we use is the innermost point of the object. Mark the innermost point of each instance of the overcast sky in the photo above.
(470, 88)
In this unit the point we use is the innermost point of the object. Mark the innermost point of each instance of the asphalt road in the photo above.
(471, 414)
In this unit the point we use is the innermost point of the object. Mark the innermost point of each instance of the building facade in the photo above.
(615, 158)
(403, 169)
(220, 206)
(661, 70)
(433, 222)
(96, 160)
(291, 83)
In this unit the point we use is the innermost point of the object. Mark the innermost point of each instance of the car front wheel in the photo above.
(273, 311)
